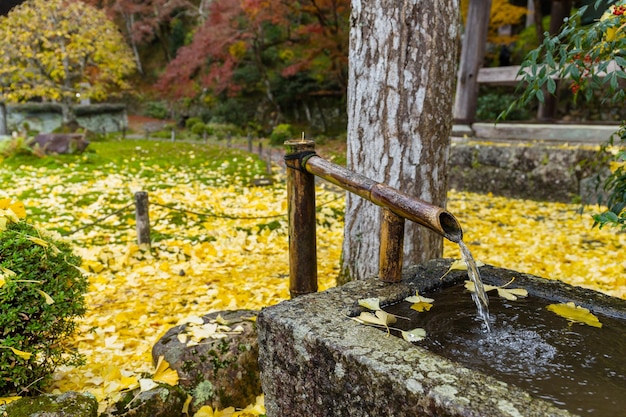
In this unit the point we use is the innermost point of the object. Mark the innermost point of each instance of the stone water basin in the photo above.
(316, 361)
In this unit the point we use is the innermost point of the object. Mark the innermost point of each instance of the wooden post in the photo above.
(3, 119)
(173, 135)
(250, 142)
(472, 54)
(142, 217)
(391, 247)
(301, 207)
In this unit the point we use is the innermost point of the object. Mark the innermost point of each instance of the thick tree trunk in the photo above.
(472, 55)
(401, 84)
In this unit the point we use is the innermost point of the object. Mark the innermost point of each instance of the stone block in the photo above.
(315, 361)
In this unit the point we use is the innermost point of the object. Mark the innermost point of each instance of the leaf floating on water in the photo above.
(513, 293)
(575, 313)
(460, 265)
(370, 303)
(419, 299)
(510, 294)
(414, 335)
(421, 306)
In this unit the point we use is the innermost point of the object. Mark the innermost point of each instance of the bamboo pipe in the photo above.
(433, 217)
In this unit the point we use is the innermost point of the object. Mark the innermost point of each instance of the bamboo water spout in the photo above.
(402, 204)
(303, 165)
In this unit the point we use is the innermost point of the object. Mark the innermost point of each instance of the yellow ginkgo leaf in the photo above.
(7, 272)
(418, 299)
(6, 400)
(510, 294)
(146, 384)
(460, 265)
(185, 409)
(21, 354)
(414, 335)
(380, 318)
(38, 241)
(164, 373)
(370, 303)
(205, 411)
(575, 313)
(46, 296)
(421, 306)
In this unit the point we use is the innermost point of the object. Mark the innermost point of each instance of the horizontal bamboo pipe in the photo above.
(402, 204)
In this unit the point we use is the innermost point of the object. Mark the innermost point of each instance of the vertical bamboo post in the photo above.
(391, 247)
(142, 217)
(301, 208)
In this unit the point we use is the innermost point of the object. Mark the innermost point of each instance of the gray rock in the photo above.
(540, 171)
(162, 401)
(60, 143)
(68, 404)
(217, 372)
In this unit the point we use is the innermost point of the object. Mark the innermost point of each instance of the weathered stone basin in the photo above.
(315, 361)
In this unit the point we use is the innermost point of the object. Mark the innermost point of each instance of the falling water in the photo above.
(479, 296)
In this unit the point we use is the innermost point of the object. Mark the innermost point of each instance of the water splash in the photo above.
(479, 295)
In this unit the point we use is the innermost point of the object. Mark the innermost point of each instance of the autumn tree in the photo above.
(60, 50)
(402, 71)
(146, 21)
(265, 52)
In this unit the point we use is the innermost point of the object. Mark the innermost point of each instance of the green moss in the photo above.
(71, 404)
(204, 392)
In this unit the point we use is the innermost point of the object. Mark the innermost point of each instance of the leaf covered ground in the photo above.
(221, 243)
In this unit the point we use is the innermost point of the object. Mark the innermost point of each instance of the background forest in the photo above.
(258, 63)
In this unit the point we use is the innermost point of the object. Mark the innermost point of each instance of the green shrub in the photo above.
(280, 134)
(200, 128)
(17, 146)
(493, 101)
(157, 109)
(189, 123)
(41, 294)
(222, 130)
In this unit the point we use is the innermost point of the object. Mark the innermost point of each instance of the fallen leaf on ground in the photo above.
(370, 303)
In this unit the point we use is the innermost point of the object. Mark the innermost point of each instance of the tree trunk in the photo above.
(472, 54)
(560, 9)
(3, 119)
(401, 83)
(538, 18)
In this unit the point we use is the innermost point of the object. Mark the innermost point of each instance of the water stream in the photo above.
(479, 296)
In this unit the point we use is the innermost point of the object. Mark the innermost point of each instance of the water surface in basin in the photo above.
(577, 367)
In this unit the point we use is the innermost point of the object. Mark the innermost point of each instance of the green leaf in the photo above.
(551, 86)
(539, 95)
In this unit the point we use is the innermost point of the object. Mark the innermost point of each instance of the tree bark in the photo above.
(401, 84)
(472, 54)
(3, 119)
(560, 9)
